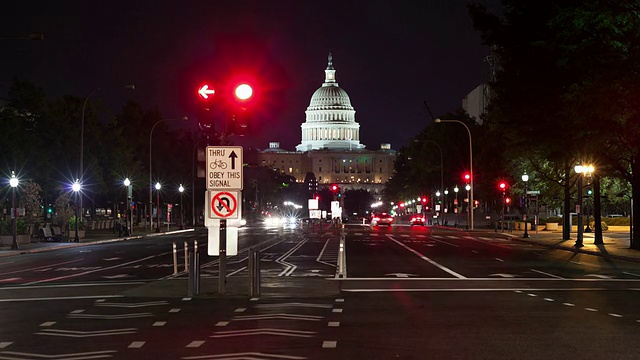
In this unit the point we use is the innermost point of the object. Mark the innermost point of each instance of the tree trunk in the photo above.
(597, 211)
(566, 216)
(634, 242)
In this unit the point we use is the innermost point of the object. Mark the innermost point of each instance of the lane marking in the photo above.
(441, 267)
(60, 298)
(329, 344)
(591, 309)
(159, 323)
(79, 311)
(337, 310)
(568, 304)
(339, 300)
(48, 323)
(549, 299)
(240, 310)
(547, 274)
(333, 323)
(632, 274)
(136, 344)
(447, 243)
(499, 259)
(369, 290)
(4, 344)
(39, 268)
(195, 344)
(222, 323)
(615, 315)
(174, 310)
(532, 295)
(106, 283)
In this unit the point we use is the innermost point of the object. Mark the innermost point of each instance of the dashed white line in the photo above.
(339, 300)
(615, 315)
(48, 323)
(159, 323)
(337, 310)
(136, 344)
(240, 310)
(568, 304)
(329, 344)
(499, 259)
(195, 344)
(632, 274)
(79, 311)
(547, 274)
(174, 310)
(548, 299)
(333, 323)
(591, 309)
(475, 251)
(441, 267)
(4, 344)
(532, 295)
(518, 291)
(222, 323)
(186, 299)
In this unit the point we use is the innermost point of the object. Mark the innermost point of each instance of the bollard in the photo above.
(341, 258)
(175, 259)
(186, 250)
(254, 272)
(195, 246)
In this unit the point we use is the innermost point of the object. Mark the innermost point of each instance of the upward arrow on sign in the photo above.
(233, 157)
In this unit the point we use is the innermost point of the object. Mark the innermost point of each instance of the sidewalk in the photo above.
(616, 243)
(92, 237)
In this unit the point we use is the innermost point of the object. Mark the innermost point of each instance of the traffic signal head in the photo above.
(243, 92)
(466, 177)
(507, 200)
(424, 200)
(503, 185)
(206, 92)
(589, 192)
(335, 188)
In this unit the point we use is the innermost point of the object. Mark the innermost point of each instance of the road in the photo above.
(408, 293)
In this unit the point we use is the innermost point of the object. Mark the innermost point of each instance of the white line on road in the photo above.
(337, 310)
(48, 323)
(4, 344)
(60, 298)
(195, 344)
(329, 344)
(568, 304)
(222, 323)
(333, 323)
(445, 242)
(532, 295)
(240, 310)
(547, 274)
(136, 344)
(441, 267)
(468, 290)
(615, 315)
(549, 299)
(174, 310)
(591, 309)
(159, 323)
(632, 274)
(499, 259)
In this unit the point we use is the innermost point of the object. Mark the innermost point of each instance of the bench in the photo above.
(45, 234)
(57, 233)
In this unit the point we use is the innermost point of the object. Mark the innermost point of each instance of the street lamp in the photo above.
(579, 169)
(181, 189)
(158, 186)
(525, 178)
(14, 215)
(470, 167)
(80, 176)
(588, 171)
(446, 206)
(184, 118)
(128, 212)
(468, 188)
(76, 188)
(455, 190)
(439, 206)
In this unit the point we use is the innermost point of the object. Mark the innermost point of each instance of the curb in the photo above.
(96, 242)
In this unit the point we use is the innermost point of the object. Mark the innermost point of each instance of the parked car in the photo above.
(417, 220)
(381, 218)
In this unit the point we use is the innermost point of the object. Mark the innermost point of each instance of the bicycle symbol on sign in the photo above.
(218, 164)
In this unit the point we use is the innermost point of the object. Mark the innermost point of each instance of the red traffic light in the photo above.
(334, 188)
(424, 200)
(466, 177)
(206, 92)
(243, 92)
(507, 200)
(503, 185)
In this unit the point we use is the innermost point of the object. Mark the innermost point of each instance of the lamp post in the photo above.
(468, 188)
(470, 167)
(158, 186)
(128, 212)
(455, 190)
(14, 214)
(439, 206)
(184, 118)
(181, 189)
(525, 178)
(76, 189)
(588, 171)
(446, 206)
(80, 176)
(579, 171)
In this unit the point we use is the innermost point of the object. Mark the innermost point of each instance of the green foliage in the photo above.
(31, 200)
(72, 223)
(6, 226)
(619, 221)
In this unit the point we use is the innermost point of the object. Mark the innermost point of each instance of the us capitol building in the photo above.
(330, 147)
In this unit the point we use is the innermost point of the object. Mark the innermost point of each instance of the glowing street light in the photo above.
(158, 187)
(128, 212)
(181, 189)
(525, 178)
(14, 215)
(76, 189)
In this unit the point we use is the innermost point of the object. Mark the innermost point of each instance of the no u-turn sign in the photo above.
(223, 204)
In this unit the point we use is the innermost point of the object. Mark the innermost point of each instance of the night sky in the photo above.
(390, 56)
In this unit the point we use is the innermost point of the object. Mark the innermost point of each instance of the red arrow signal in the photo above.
(205, 92)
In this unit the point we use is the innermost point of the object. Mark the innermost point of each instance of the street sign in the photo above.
(313, 204)
(213, 244)
(533, 192)
(224, 204)
(315, 214)
(224, 167)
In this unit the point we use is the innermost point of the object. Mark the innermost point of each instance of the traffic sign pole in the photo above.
(222, 265)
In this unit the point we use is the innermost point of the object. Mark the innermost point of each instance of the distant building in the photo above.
(475, 103)
(330, 146)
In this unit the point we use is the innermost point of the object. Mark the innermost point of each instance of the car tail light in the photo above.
(376, 219)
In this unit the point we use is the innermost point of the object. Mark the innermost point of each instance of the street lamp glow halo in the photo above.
(181, 188)
(76, 186)
(525, 177)
(158, 186)
(13, 181)
(127, 182)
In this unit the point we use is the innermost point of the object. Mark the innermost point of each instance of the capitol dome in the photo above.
(331, 120)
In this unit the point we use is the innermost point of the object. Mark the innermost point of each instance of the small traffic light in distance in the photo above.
(335, 188)
(424, 200)
(507, 200)
(503, 185)
(243, 92)
(467, 177)
(589, 192)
